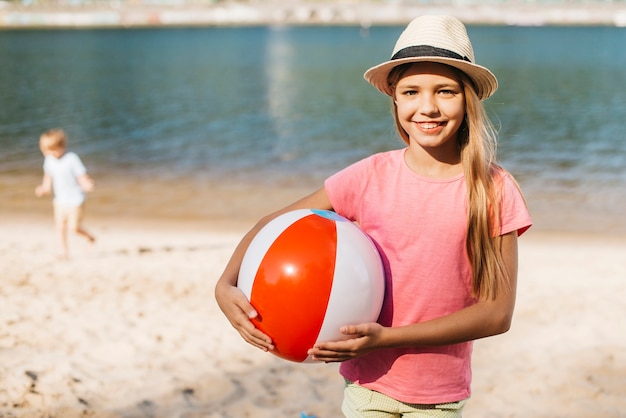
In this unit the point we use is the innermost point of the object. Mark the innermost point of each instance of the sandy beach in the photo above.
(130, 328)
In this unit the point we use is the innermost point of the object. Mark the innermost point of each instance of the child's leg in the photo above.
(76, 218)
(60, 221)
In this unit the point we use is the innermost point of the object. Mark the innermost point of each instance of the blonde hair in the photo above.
(53, 139)
(477, 149)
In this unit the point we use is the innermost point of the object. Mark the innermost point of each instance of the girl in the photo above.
(446, 219)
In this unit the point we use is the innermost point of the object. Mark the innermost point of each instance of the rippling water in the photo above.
(204, 122)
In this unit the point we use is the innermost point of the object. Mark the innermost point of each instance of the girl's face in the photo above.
(431, 106)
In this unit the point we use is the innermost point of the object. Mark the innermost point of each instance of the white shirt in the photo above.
(65, 172)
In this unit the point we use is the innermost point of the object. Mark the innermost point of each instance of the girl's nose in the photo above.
(428, 104)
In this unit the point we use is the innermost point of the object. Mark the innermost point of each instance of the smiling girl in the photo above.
(445, 218)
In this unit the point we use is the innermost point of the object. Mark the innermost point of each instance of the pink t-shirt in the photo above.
(419, 225)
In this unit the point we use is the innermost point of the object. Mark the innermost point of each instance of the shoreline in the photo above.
(213, 203)
(302, 13)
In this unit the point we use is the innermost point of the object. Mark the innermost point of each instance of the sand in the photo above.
(130, 328)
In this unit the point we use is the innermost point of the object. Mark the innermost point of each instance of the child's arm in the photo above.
(485, 318)
(45, 187)
(85, 182)
(231, 299)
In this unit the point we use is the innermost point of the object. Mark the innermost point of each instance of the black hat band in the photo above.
(427, 51)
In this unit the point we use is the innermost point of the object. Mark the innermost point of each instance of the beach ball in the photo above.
(307, 273)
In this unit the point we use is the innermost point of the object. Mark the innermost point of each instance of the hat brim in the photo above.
(485, 82)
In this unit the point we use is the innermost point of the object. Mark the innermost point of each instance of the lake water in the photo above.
(232, 122)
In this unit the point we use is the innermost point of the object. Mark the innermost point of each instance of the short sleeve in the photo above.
(514, 213)
(344, 188)
(78, 168)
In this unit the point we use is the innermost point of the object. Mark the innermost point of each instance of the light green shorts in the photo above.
(360, 402)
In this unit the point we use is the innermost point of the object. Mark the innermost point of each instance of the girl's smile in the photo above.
(431, 127)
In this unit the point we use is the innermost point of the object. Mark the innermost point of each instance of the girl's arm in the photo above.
(483, 319)
(45, 187)
(231, 300)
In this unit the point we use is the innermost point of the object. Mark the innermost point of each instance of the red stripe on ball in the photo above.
(293, 283)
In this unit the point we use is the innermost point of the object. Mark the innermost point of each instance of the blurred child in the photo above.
(64, 173)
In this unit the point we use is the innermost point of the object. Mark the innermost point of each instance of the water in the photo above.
(233, 122)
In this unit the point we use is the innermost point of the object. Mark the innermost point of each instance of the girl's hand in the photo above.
(364, 338)
(239, 312)
(231, 300)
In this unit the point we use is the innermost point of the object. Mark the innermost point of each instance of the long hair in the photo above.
(476, 140)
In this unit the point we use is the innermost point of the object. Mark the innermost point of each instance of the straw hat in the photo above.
(435, 38)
